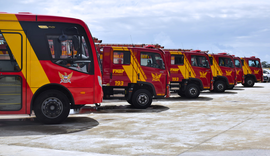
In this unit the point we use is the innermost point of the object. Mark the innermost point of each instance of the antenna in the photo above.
(131, 39)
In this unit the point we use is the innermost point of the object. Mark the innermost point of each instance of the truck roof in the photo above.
(27, 16)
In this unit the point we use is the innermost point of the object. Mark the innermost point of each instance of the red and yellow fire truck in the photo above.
(190, 71)
(138, 73)
(223, 70)
(37, 73)
(252, 70)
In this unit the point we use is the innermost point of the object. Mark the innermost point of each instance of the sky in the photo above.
(238, 27)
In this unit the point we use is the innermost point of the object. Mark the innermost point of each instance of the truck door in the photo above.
(202, 69)
(155, 72)
(239, 70)
(120, 59)
(12, 72)
(227, 66)
(256, 69)
(176, 60)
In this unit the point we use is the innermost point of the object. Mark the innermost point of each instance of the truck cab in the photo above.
(223, 70)
(190, 71)
(252, 70)
(139, 73)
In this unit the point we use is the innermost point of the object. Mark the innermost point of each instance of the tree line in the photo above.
(265, 64)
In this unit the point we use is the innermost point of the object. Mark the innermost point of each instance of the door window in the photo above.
(254, 63)
(71, 51)
(8, 62)
(199, 61)
(121, 57)
(177, 59)
(237, 63)
(152, 60)
(225, 62)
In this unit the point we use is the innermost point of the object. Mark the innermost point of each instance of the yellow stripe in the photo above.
(246, 68)
(134, 68)
(35, 75)
(176, 53)
(186, 69)
(215, 68)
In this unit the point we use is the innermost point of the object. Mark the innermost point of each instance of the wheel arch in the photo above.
(197, 82)
(148, 86)
(54, 87)
(222, 78)
(251, 76)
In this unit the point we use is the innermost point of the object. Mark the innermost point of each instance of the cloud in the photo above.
(239, 27)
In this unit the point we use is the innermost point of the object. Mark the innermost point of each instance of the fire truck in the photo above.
(252, 70)
(138, 73)
(190, 71)
(223, 70)
(48, 64)
(239, 70)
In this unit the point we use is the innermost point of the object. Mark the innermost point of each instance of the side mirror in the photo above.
(63, 37)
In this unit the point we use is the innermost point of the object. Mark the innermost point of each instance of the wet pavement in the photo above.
(232, 123)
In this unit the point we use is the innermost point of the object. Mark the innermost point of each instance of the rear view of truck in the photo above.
(138, 73)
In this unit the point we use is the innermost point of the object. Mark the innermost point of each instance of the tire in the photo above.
(249, 82)
(192, 91)
(51, 107)
(141, 99)
(219, 86)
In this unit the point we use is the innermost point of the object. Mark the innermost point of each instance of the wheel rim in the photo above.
(142, 99)
(220, 86)
(193, 91)
(52, 107)
(249, 82)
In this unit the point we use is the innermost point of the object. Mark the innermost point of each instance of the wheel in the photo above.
(219, 86)
(51, 107)
(192, 91)
(141, 99)
(249, 82)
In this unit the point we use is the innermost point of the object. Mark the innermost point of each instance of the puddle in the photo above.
(119, 109)
(29, 126)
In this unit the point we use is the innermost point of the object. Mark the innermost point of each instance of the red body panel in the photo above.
(81, 85)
